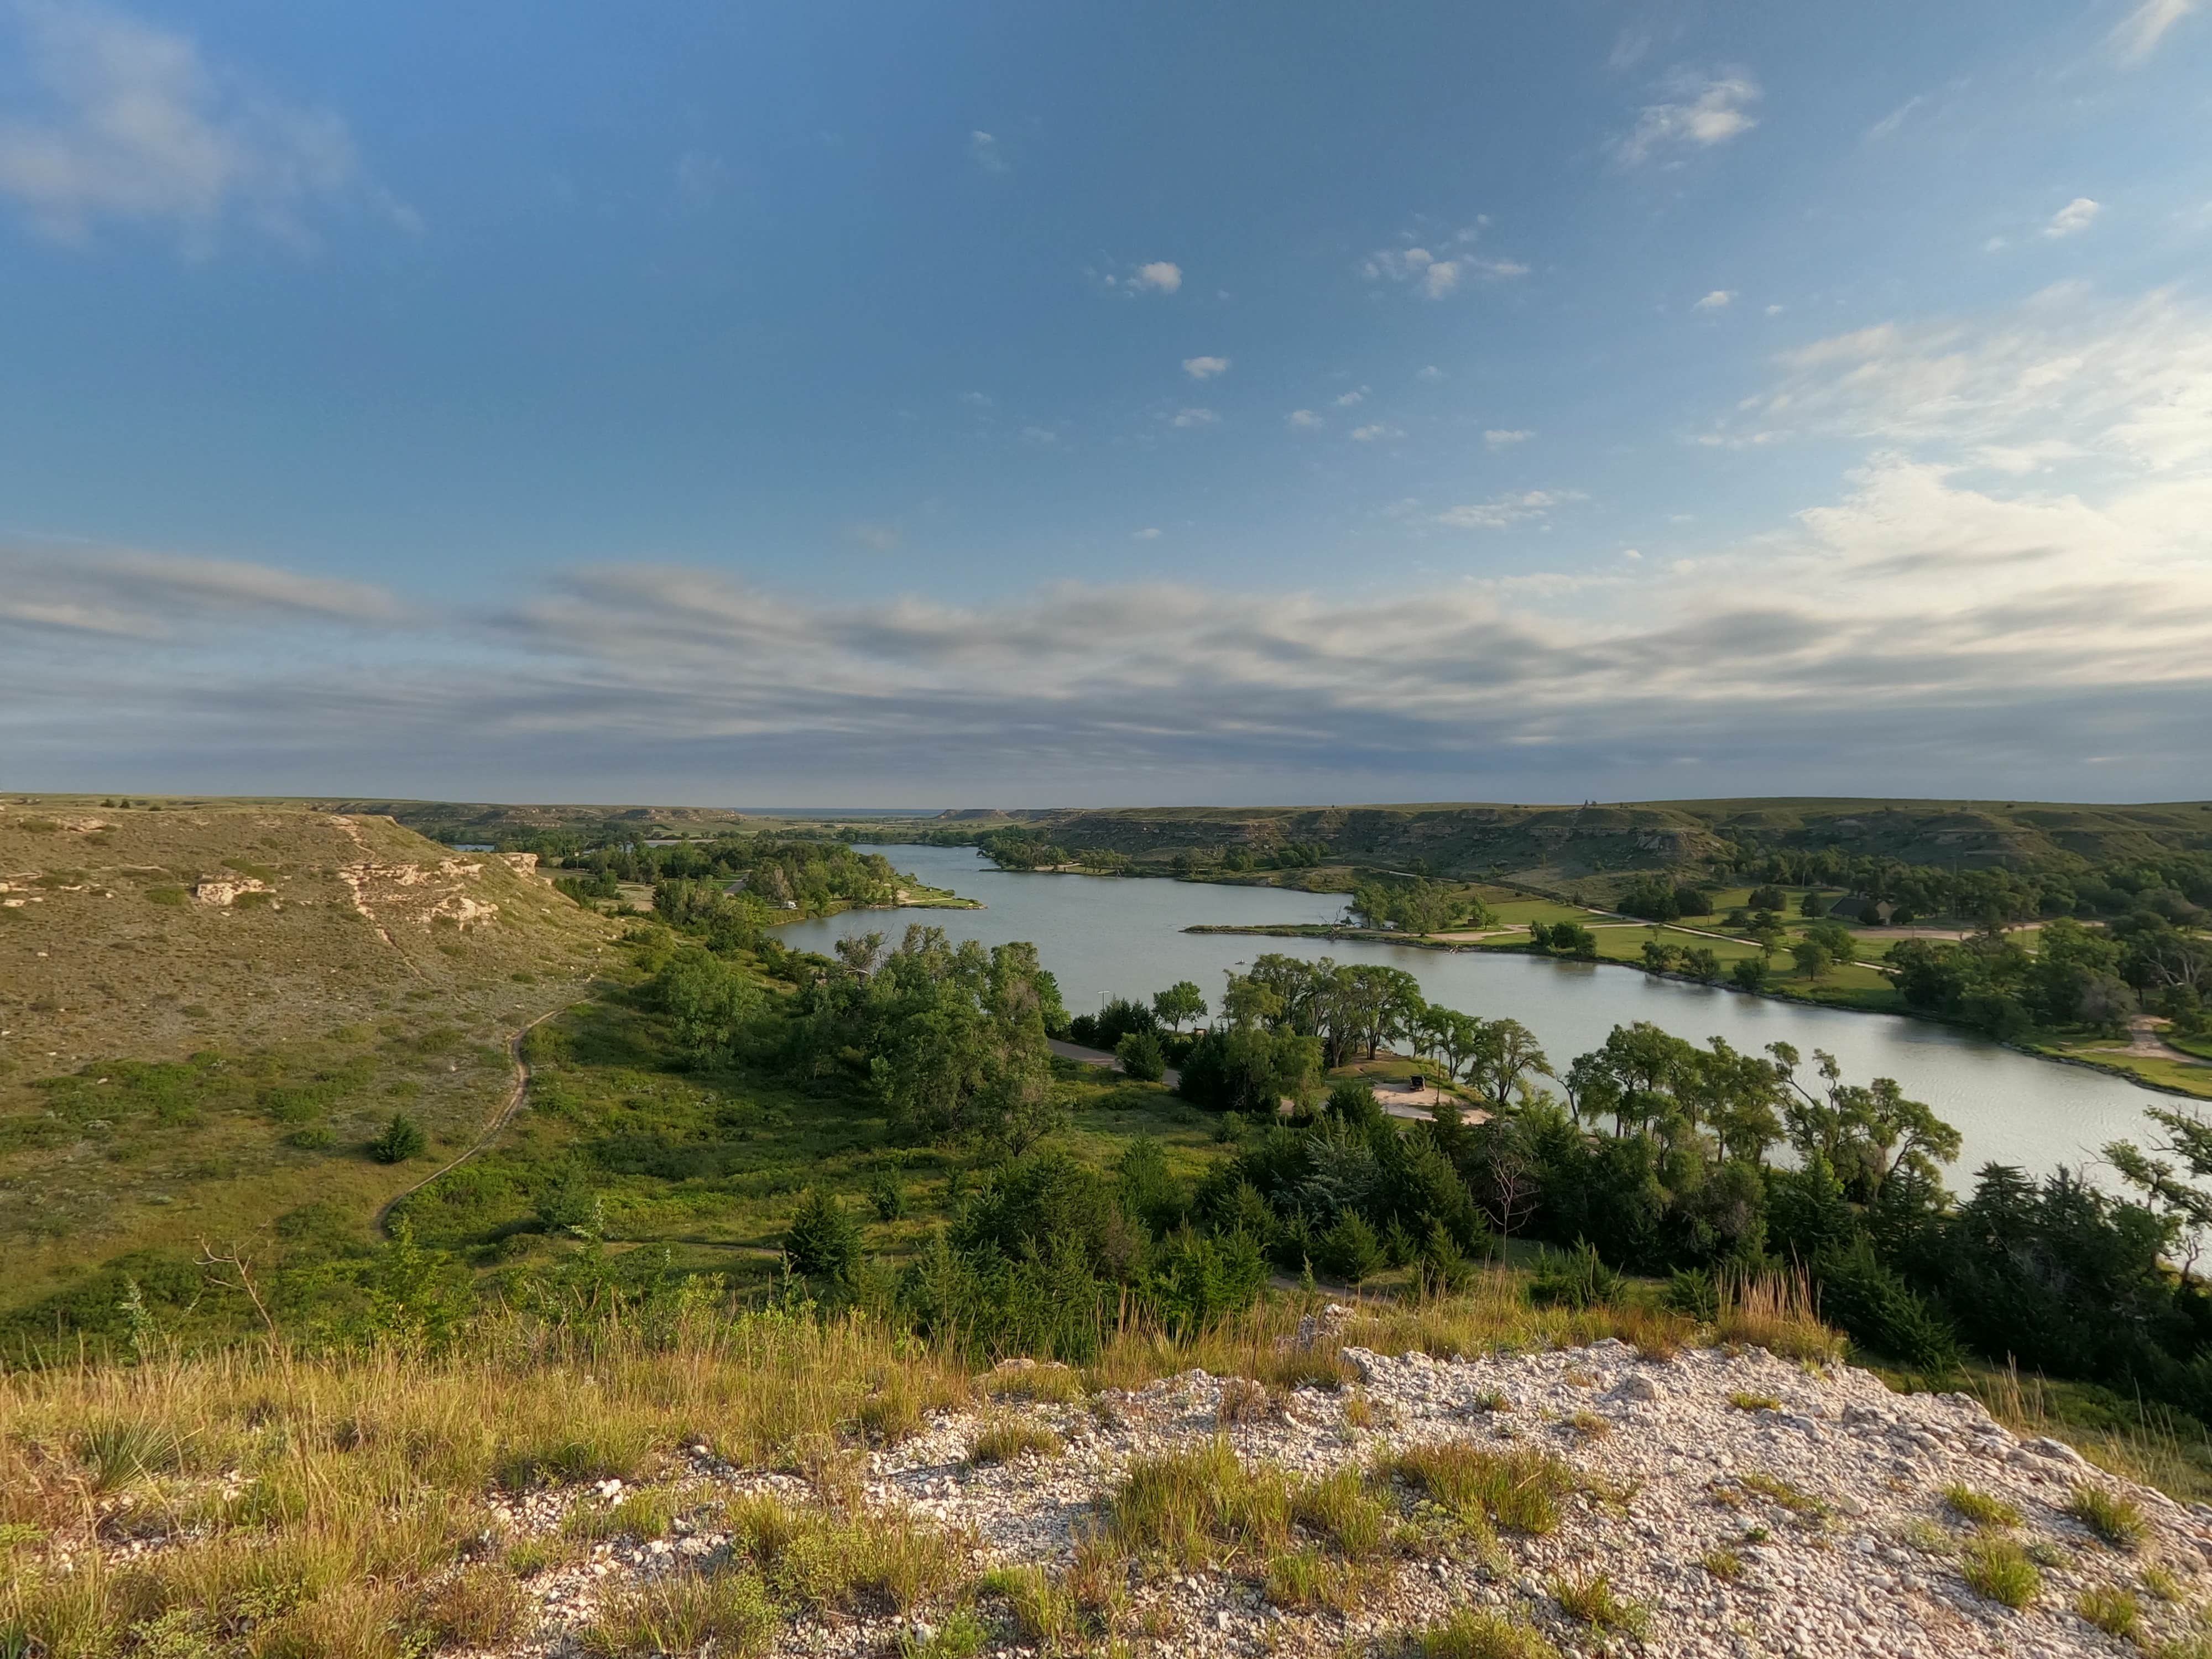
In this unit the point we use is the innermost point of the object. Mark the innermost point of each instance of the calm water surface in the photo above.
(1114, 936)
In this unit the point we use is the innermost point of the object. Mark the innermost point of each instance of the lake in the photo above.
(1117, 936)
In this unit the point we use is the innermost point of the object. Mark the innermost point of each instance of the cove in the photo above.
(1106, 936)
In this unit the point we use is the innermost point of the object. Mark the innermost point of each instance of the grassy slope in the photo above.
(312, 1021)
(710, 1165)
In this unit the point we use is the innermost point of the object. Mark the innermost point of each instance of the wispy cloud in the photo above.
(1499, 437)
(1701, 110)
(1377, 432)
(130, 594)
(2138, 35)
(1890, 122)
(1302, 420)
(2076, 216)
(1187, 418)
(1160, 276)
(1501, 511)
(1204, 368)
(134, 126)
(1719, 299)
(988, 153)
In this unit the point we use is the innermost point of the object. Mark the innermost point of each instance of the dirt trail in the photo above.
(515, 1093)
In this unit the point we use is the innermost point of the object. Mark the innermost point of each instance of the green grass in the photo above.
(2114, 1517)
(1518, 1490)
(1009, 1440)
(1592, 1600)
(1470, 1635)
(1980, 1509)
(1999, 1571)
(2111, 1610)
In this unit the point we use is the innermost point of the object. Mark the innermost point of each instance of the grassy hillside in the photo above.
(208, 1010)
(1550, 845)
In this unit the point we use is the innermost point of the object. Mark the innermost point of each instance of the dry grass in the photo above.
(363, 1481)
(1519, 1490)
(2151, 1451)
(1780, 1312)
(1006, 1439)
(728, 1612)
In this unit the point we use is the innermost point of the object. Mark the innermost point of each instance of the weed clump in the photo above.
(2117, 1519)
(1519, 1490)
(1980, 1509)
(1999, 1570)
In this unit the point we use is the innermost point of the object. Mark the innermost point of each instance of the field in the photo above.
(206, 1012)
(710, 1166)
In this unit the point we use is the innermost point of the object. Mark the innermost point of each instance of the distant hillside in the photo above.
(1543, 844)
(206, 1012)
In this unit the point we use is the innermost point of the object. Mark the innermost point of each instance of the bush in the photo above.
(1141, 1057)
(823, 1241)
(403, 1138)
(1349, 1250)
(1577, 1279)
(1749, 975)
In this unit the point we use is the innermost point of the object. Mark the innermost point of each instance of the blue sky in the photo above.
(932, 404)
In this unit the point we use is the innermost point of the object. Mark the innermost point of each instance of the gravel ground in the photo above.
(1827, 1506)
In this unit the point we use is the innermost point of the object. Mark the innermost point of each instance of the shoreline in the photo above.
(1375, 936)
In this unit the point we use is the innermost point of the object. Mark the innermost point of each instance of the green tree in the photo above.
(1181, 1002)
(1749, 973)
(823, 1240)
(1141, 1057)
(1812, 958)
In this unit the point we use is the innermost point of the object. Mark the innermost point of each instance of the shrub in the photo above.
(823, 1241)
(1141, 1057)
(1579, 1278)
(1349, 1250)
(402, 1138)
(1593, 1600)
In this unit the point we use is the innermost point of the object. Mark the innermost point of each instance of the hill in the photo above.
(1468, 1476)
(1544, 845)
(208, 1010)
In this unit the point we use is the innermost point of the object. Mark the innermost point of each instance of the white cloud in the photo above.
(876, 537)
(1719, 299)
(1376, 433)
(1352, 399)
(976, 399)
(1501, 511)
(1431, 373)
(2130, 384)
(1190, 418)
(2138, 35)
(1500, 437)
(1161, 276)
(985, 152)
(1432, 274)
(1304, 420)
(1774, 311)
(1702, 110)
(1039, 434)
(2076, 216)
(1204, 368)
(137, 127)
(1149, 533)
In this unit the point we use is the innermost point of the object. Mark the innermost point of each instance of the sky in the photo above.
(929, 404)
